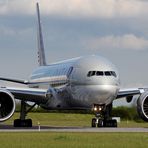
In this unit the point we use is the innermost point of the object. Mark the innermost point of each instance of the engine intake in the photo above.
(142, 106)
(7, 105)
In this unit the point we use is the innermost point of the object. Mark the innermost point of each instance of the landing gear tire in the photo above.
(100, 123)
(114, 123)
(22, 123)
(110, 123)
(93, 123)
(103, 116)
(97, 123)
(103, 123)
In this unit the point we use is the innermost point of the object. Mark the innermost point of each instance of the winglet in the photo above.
(41, 53)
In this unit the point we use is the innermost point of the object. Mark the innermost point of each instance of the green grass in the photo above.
(57, 119)
(74, 140)
(70, 119)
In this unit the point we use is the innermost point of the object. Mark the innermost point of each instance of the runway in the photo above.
(9, 128)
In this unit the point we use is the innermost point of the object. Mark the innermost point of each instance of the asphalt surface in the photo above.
(10, 128)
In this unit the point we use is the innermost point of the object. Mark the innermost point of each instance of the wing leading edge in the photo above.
(130, 92)
(29, 94)
(14, 80)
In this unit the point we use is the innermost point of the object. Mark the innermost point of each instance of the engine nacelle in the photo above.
(129, 99)
(142, 106)
(7, 105)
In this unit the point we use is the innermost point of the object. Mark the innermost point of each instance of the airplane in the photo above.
(83, 83)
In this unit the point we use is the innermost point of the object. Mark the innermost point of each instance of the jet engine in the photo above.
(7, 105)
(129, 99)
(142, 106)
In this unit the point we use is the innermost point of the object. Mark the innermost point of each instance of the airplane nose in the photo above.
(102, 94)
(105, 81)
(95, 92)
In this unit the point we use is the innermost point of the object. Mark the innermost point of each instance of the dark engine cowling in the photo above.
(7, 105)
(142, 106)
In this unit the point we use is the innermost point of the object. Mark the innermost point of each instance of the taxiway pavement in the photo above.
(10, 128)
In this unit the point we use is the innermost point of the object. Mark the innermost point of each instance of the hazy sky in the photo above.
(115, 29)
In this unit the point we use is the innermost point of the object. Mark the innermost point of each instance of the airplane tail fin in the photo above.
(41, 52)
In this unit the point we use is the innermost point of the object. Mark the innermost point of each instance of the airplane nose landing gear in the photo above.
(102, 113)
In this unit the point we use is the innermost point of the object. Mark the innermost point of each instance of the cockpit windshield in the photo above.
(101, 73)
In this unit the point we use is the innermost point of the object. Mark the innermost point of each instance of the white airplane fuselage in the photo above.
(81, 82)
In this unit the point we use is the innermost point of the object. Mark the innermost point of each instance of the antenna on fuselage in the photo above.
(41, 52)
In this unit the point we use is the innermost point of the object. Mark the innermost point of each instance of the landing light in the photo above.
(95, 108)
(100, 108)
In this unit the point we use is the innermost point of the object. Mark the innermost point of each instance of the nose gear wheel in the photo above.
(102, 116)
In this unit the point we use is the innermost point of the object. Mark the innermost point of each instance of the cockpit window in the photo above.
(91, 73)
(107, 73)
(101, 73)
(113, 73)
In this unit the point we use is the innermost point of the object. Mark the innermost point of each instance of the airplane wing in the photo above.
(29, 94)
(130, 92)
(14, 80)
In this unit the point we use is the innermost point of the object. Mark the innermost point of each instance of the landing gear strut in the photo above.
(22, 121)
(102, 114)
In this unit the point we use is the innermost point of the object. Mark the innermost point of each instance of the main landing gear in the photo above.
(22, 121)
(102, 114)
